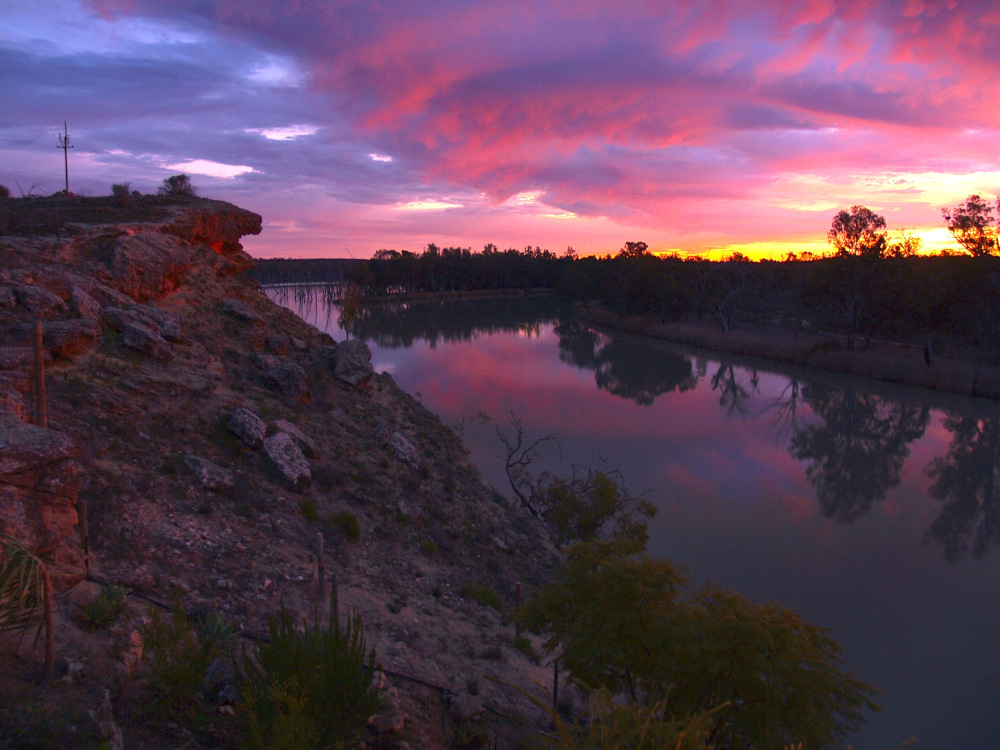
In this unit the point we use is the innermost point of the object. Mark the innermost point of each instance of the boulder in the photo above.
(306, 444)
(240, 310)
(284, 454)
(289, 378)
(403, 449)
(277, 343)
(84, 305)
(143, 338)
(248, 427)
(211, 475)
(147, 265)
(353, 362)
(39, 302)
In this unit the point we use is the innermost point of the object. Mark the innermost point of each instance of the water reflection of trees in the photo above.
(633, 370)
(965, 480)
(400, 324)
(857, 450)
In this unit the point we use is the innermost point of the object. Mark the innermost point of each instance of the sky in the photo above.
(696, 126)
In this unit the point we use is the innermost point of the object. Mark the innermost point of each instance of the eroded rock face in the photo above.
(286, 456)
(403, 449)
(39, 484)
(240, 310)
(248, 427)
(147, 265)
(353, 362)
(307, 445)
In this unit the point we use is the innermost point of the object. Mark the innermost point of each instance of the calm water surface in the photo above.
(870, 510)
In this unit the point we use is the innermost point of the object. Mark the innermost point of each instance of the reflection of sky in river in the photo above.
(737, 508)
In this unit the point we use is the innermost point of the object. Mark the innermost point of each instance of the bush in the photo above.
(4, 191)
(307, 507)
(176, 186)
(482, 594)
(177, 661)
(312, 689)
(106, 606)
(349, 524)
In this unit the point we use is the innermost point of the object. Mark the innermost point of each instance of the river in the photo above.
(870, 510)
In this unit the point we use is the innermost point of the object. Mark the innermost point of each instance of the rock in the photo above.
(241, 311)
(38, 302)
(108, 731)
(143, 338)
(277, 343)
(212, 476)
(147, 265)
(39, 484)
(16, 357)
(381, 433)
(67, 339)
(84, 305)
(353, 362)
(108, 297)
(159, 321)
(248, 427)
(306, 444)
(286, 456)
(289, 378)
(403, 449)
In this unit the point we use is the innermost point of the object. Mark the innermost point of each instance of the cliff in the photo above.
(212, 438)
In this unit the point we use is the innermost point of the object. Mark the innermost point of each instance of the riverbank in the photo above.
(878, 360)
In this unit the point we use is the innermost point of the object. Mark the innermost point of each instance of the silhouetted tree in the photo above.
(967, 481)
(177, 185)
(857, 451)
(971, 223)
(858, 232)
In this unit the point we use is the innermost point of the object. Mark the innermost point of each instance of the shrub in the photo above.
(26, 595)
(106, 606)
(482, 594)
(177, 662)
(349, 524)
(307, 507)
(311, 689)
(4, 191)
(177, 185)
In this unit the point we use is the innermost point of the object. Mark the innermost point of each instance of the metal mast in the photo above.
(64, 145)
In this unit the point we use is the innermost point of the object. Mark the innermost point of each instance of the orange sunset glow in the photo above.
(699, 128)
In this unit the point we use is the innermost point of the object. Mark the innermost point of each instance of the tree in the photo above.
(972, 225)
(860, 232)
(350, 309)
(620, 621)
(176, 186)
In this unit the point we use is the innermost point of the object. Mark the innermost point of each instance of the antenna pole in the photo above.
(64, 145)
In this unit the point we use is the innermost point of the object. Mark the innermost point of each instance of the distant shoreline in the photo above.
(885, 361)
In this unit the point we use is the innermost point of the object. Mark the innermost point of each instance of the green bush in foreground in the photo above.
(311, 689)
(619, 620)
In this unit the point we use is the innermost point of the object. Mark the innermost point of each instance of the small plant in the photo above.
(522, 644)
(429, 546)
(178, 662)
(307, 507)
(4, 191)
(396, 605)
(26, 596)
(494, 653)
(482, 594)
(349, 524)
(216, 634)
(472, 685)
(106, 606)
(176, 186)
(311, 689)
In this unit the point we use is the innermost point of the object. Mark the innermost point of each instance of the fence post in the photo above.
(40, 415)
(555, 684)
(81, 513)
(517, 620)
(320, 578)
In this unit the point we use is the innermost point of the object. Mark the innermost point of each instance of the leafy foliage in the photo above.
(617, 620)
(178, 661)
(309, 689)
(106, 606)
(858, 232)
(4, 191)
(482, 594)
(971, 223)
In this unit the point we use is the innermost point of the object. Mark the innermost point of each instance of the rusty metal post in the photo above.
(320, 578)
(517, 621)
(41, 415)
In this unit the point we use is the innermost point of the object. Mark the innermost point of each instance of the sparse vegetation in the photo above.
(105, 607)
(308, 689)
(308, 509)
(349, 524)
(4, 191)
(26, 596)
(482, 594)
